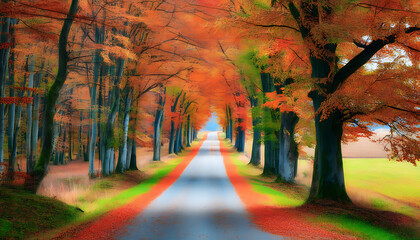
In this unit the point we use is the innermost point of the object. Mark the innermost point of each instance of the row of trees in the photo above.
(355, 63)
(89, 91)
(126, 73)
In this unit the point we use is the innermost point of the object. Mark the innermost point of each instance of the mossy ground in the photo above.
(23, 213)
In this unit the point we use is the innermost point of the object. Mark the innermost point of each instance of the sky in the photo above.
(212, 124)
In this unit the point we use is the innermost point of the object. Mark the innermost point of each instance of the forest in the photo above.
(120, 89)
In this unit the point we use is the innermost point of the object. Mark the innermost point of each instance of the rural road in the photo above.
(201, 204)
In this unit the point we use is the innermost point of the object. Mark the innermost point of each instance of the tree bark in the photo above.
(328, 175)
(172, 138)
(4, 61)
(157, 126)
(122, 164)
(108, 133)
(241, 140)
(35, 121)
(188, 131)
(29, 162)
(12, 107)
(270, 137)
(289, 154)
(256, 141)
(52, 96)
(133, 159)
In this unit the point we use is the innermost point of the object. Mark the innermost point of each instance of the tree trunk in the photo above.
(52, 96)
(108, 133)
(328, 174)
(4, 61)
(157, 128)
(57, 133)
(188, 131)
(270, 137)
(122, 164)
(178, 139)
(13, 153)
(172, 138)
(12, 107)
(241, 140)
(29, 163)
(256, 141)
(35, 121)
(289, 154)
(129, 151)
(133, 159)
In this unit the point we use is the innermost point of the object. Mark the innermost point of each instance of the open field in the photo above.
(377, 182)
(383, 209)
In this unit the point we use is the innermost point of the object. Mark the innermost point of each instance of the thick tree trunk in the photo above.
(129, 151)
(133, 158)
(270, 137)
(288, 156)
(195, 134)
(52, 96)
(241, 140)
(256, 141)
(108, 133)
(328, 174)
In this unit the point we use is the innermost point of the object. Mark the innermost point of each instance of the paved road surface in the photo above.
(201, 204)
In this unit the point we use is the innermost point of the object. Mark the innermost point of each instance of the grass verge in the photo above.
(357, 221)
(23, 213)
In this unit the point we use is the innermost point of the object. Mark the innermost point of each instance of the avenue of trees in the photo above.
(93, 80)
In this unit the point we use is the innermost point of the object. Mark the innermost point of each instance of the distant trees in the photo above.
(112, 57)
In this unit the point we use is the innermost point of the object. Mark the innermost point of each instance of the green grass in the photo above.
(398, 180)
(358, 227)
(23, 213)
(377, 175)
(277, 197)
(104, 184)
(390, 185)
(103, 205)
